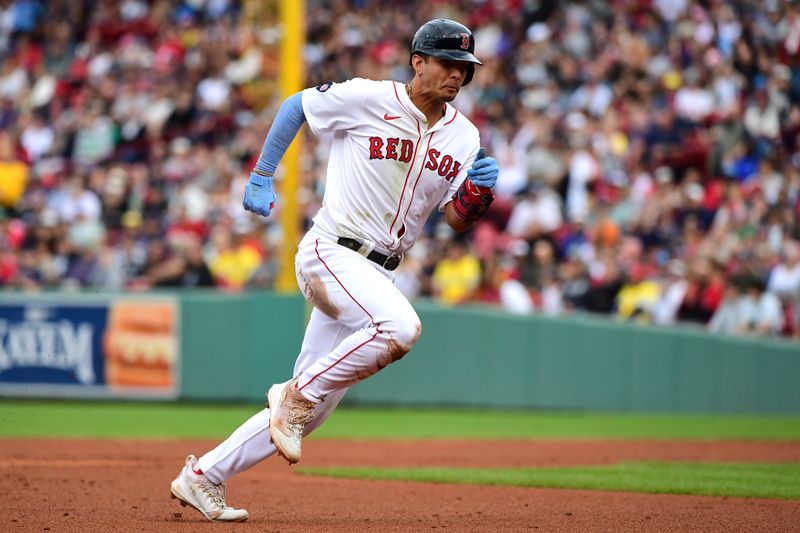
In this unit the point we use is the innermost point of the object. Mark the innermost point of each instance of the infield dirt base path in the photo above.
(123, 485)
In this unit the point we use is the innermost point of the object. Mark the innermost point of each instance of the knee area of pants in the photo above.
(406, 332)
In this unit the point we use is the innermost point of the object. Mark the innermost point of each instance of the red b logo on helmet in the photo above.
(465, 41)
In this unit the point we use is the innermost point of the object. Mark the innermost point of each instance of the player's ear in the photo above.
(416, 61)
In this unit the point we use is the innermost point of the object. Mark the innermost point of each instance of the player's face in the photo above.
(444, 77)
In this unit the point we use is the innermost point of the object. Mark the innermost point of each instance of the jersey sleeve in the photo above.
(335, 106)
(461, 176)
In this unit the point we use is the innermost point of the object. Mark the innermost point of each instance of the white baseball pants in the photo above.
(360, 323)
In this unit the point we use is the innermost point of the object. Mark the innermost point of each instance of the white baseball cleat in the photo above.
(197, 491)
(289, 412)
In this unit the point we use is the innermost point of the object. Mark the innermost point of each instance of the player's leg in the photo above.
(366, 301)
(201, 483)
(363, 299)
(250, 443)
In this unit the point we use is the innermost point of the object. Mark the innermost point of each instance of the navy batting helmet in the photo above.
(446, 39)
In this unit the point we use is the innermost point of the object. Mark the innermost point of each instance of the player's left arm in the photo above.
(259, 197)
(473, 198)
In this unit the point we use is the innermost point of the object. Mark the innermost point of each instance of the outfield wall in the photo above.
(486, 358)
(479, 357)
(232, 347)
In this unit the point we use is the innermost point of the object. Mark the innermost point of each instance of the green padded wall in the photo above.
(235, 347)
(488, 358)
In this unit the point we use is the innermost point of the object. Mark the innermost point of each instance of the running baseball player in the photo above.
(399, 152)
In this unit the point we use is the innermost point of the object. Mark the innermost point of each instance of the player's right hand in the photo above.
(259, 198)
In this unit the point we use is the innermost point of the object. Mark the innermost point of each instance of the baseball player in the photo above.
(399, 152)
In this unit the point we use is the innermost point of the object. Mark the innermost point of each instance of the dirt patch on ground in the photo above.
(123, 485)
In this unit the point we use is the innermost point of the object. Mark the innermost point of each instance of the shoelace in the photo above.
(215, 493)
(301, 412)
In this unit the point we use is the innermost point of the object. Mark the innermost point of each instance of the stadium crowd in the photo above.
(649, 150)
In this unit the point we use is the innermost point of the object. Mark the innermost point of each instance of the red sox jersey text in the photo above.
(387, 170)
(447, 166)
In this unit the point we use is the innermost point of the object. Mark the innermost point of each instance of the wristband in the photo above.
(472, 201)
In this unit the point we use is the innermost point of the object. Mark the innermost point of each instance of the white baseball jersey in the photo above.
(387, 170)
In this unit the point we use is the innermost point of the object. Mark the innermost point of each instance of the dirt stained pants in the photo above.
(360, 323)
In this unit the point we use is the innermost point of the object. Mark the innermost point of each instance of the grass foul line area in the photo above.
(746, 480)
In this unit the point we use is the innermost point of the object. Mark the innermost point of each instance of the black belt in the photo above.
(389, 262)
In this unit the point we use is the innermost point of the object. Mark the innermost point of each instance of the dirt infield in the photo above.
(116, 485)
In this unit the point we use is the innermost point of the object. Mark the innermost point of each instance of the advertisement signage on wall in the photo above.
(109, 347)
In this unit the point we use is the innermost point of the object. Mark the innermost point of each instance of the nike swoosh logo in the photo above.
(387, 116)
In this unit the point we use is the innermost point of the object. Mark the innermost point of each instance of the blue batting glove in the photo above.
(259, 198)
(484, 170)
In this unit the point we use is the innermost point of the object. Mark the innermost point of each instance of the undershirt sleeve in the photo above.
(284, 129)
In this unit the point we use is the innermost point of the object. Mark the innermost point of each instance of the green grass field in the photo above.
(58, 419)
(747, 480)
(33, 418)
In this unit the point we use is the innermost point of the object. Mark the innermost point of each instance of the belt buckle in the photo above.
(392, 262)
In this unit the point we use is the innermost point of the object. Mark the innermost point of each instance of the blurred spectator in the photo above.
(729, 315)
(234, 261)
(761, 119)
(515, 298)
(37, 138)
(13, 171)
(537, 213)
(457, 275)
(638, 296)
(492, 278)
(575, 284)
(552, 298)
(649, 152)
(671, 294)
(94, 139)
(761, 310)
(693, 102)
(407, 277)
(186, 269)
(606, 280)
(784, 278)
(704, 291)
